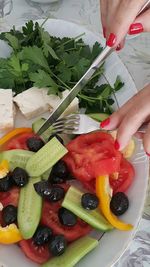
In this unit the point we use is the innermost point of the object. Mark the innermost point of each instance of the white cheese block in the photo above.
(6, 109)
(32, 103)
(53, 101)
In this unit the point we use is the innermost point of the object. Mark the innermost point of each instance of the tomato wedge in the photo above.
(91, 155)
(125, 179)
(50, 219)
(10, 197)
(18, 142)
(38, 254)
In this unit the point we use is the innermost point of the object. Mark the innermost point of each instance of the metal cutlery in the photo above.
(80, 84)
(78, 124)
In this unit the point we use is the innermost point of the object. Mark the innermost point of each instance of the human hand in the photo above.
(129, 118)
(119, 18)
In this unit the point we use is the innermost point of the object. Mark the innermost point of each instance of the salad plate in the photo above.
(111, 244)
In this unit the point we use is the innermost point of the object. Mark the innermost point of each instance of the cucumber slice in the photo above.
(72, 202)
(98, 116)
(17, 158)
(37, 125)
(74, 253)
(29, 209)
(45, 158)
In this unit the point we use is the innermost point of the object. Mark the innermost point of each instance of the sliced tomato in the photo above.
(38, 254)
(18, 142)
(50, 219)
(125, 179)
(10, 197)
(91, 155)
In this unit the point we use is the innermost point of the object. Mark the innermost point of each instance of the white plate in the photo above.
(114, 243)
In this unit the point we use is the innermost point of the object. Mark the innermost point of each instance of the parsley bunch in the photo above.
(41, 60)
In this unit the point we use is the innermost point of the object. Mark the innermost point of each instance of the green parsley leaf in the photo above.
(42, 79)
(12, 41)
(118, 84)
(35, 55)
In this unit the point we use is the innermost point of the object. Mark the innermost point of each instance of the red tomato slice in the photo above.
(125, 178)
(50, 219)
(18, 142)
(91, 155)
(38, 254)
(10, 197)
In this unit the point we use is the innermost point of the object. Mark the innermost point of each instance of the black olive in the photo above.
(57, 245)
(42, 235)
(20, 177)
(5, 183)
(67, 217)
(119, 203)
(60, 171)
(53, 193)
(58, 137)
(89, 201)
(57, 193)
(34, 143)
(9, 214)
(42, 188)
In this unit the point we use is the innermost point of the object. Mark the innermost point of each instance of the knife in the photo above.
(80, 84)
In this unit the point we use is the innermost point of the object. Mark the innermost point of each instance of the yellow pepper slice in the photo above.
(10, 234)
(4, 168)
(102, 191)
(13, 133)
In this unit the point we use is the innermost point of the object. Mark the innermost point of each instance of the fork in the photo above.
(79, 124)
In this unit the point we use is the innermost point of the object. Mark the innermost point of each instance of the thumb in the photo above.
(141, 24)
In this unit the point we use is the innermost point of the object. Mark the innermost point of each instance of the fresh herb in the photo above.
(41, 60)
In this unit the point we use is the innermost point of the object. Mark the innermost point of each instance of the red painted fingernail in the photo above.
(135, 28)
(111, 40)
(148, 154)
(105, 123)
(117, 145)
(104, 32)
(118, 48)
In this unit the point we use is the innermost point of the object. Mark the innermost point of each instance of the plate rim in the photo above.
(99, 36)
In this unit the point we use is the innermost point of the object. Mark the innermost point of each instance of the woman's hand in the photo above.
(119, 18)
(129, 118)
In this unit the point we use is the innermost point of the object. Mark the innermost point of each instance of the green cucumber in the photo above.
(46, 175)
(17, 157)
(98, 116)
(72, 202)
(74, 253)
(45, 158)
(37, 125)
(29, 209)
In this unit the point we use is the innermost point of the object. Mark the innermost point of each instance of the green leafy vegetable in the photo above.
(41, 60)
(43, 79)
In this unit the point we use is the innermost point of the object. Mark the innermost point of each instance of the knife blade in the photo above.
(75, 90)
(81, 83)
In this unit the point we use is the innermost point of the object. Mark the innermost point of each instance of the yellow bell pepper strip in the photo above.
(13, 133)
(102, 192)
(4, 168)
(10, 234)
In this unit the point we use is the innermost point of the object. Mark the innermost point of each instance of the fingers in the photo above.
(129, 117)
(103, 9)
(119, 22)
(146, 140)
(129, 125)
(141, 24)
(115, 119)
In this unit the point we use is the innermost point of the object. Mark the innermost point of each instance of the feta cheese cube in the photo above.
(6, 109)
(53, 101)
(32, 103)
